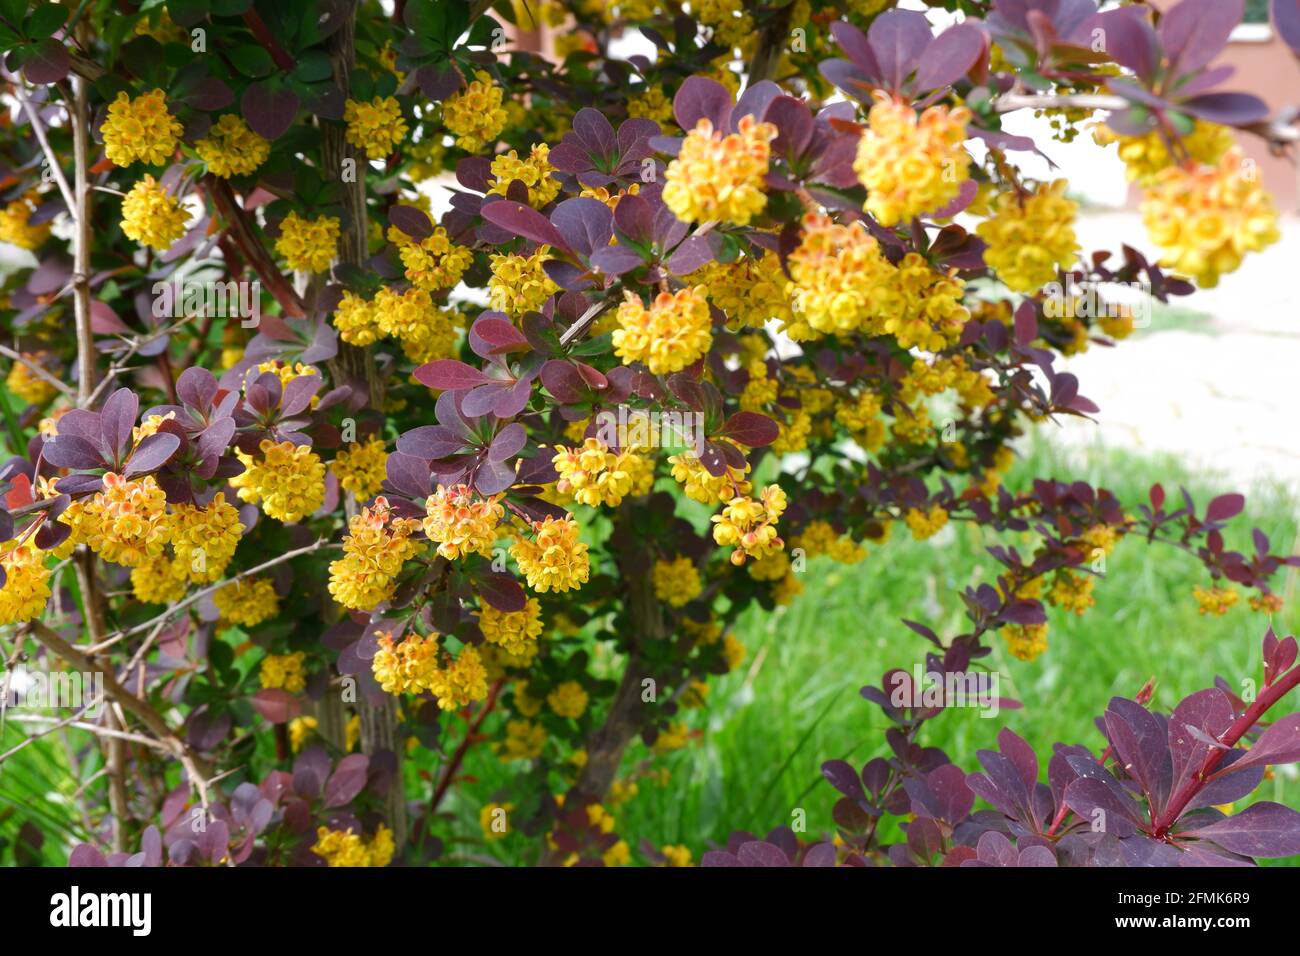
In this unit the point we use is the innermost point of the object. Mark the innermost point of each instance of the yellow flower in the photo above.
(652, 104)
(926, 524)
(839, 279)
(819, 538)
(720, 177)
(355, 320)
(126, 522)
(412, 318)
(1207, 219)
(524, 741)
(360, 468)
(526, 705)
(1215, 600)
(676, 582)
(1147, 155)
(556, 560)
(15, 223)
(461, 522)
(568, 699)
(373, 553)
(288, 480)
(515, 631)
(911, 166)
(375, 127)
(462, 681)
(673, 737)
(676, 855)
(27, 582)
(929, 314)
(620, 854)
(247, 602)
(750, 525)
(231, 148)
(308, 245)
(204, 538)
(1031, 237)
(140, 129)
(534, 172)
(520, 284)
(434, 262)
(300, 728)
(593, 474)
(733, 652)
(475, 114)
(158, 581)
(1072, 592)
(1025, 642)
(26, 384)
(675, 332)
(284, 672)
(345, 848)
(751, 291)
(700, 485)
(408, 667)
(152, 217)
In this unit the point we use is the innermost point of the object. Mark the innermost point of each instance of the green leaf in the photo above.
(13, 12)
(251, 60)
(313, 65)
(44, 20)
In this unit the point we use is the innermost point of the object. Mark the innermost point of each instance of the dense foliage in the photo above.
(330, 487)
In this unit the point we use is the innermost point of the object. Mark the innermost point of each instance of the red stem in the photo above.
(1267, 698)
(253, 20)
(459, 756)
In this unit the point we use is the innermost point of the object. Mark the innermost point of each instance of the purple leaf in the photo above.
(702, 98)
(117, 419)
(450, 374)
(751, 428)
(502, 592)
(71, 451)
(1280, 743)
(841, 775)
(348, 780)
(1261, 830)
(1230, 109)
(1286, 17)
(615, 260)
(49, 63)
(758, 853)
(196, 387)
(1087, 795)
(856, 47)
(897, 38)
(270, 111)
(429, 442)
(521, 220)
(510, 401)
(153, 452)
(585, 223)
(594, 132)
(949, 57)
(493, 336)
(276, 706)
(1130, 39)
(1194, 32)
(408, 474)
(690, 255)
(508, 442)
(412, 221)
(493, 477)
(1210, 713)
(1224, 507)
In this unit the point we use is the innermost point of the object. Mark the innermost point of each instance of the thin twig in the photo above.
(36, 369)
(51, 157)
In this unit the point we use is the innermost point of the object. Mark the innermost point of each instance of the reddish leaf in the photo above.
(751, 428)
(276, 706)
(348, 780)
(449, 374)
(1224, 507)
(525, 221)
(502, 592)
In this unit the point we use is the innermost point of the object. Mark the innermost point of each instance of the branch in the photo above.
(240, 229)
(36, 370)
(51, 158)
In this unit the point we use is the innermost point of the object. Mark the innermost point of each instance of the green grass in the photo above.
(794, 703)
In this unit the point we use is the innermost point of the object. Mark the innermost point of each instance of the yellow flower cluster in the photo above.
(926, 523)
(556, 560)
(360, 468)
(676, 856)
(284, 672)
(652, 104)
(375, 127)
(412, 318)
(231, 148)
(749, 525)
(1030, 237)
(676, 582)
(1215, 600)
(1206, 219)
(354, 318)
(1025, 642)
(373, 553)
(717, 177)
(514, 631)
(909, 165)
(840, 280)
(700, 485)
(204, 538)
(520, 284)
(567, 699)
(1072, 592)
(461, 522)
(475, 114)
(675, 332)
(1147, 155)
(751, 291)
(151, 216)
(930, 315)
(461, 682)
(15, 223)
(26, 384)
(593, 474)
(308, 245)
(819, 538)
(247, 602)
(524, 740)
(431, 263)
(408, 667)
(288, 480)
(126, 522)
(534, 172)
(862, 419)
(140, 129)
(27, 582)
(345, 848)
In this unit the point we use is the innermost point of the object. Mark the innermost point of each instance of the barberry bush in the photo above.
(324, 485)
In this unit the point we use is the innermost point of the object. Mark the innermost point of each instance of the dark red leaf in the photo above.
(502, 592)
(276, 706)
(521, 220)
(450, 374)
(751, 428)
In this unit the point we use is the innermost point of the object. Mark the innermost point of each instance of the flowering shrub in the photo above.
(346, 487)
